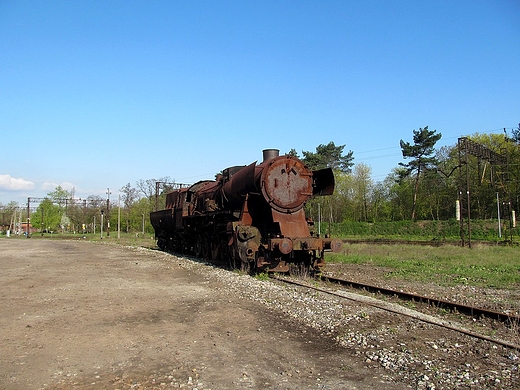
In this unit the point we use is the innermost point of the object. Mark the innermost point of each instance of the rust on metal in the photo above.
(251, 214)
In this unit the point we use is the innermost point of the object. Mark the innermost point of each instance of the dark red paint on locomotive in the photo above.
(251, 216)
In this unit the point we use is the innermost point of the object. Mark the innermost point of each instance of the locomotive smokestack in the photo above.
(269, 154)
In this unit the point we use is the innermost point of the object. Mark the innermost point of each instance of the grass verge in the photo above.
(482, 266)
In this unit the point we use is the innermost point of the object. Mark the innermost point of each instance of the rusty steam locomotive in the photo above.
(250, 216)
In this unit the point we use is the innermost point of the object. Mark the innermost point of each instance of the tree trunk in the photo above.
(415, 190)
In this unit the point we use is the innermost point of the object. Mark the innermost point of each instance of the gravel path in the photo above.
(80, 315)
(85, 315)
(417, 353)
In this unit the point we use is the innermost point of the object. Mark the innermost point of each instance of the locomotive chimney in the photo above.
(269, 154)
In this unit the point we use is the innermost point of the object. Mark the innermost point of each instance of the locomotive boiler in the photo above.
(250, 216)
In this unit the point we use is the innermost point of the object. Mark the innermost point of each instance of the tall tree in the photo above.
(155, 189)
(516, 134)
(420, 152)
(362, 187)
(59, 194)
(47, 216)
(329, 156)
(129, 196)
(381, 206)
(293, 153)
(399, 192)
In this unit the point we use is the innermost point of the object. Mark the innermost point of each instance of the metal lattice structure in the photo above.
(67, 204)
(498, 172)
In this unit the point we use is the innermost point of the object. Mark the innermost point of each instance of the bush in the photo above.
(418, 230)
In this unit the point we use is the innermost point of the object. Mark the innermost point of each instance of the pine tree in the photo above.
(420, 152)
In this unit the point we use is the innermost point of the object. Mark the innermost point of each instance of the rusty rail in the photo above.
(419, 316)
(454, 306)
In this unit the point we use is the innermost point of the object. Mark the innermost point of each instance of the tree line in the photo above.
(428, 185)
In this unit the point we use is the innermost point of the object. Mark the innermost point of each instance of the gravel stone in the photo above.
(423, 355)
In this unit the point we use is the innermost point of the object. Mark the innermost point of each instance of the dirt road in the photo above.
(76, 314)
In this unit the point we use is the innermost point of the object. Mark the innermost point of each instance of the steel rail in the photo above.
(454, 306)
(405, 312)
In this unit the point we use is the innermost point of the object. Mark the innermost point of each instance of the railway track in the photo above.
(452, 306)
(380, 304)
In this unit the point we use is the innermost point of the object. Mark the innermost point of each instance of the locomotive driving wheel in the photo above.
(161, 243)
(199, 246)
(206, 246)
(203, 246)
(215, 248)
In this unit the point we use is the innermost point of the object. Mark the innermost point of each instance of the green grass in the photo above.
(482, 266)
(262, 276)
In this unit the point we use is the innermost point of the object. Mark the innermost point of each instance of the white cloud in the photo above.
(67, 186)
(13, 184)
(51, 186)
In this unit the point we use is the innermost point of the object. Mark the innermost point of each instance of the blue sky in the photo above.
(98, 94)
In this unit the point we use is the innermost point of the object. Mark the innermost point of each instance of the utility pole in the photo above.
(108, 212)
(28, 216)
(119, 216)
(101, 224)
(498, 212)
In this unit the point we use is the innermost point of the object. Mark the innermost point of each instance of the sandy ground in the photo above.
(76, 314)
